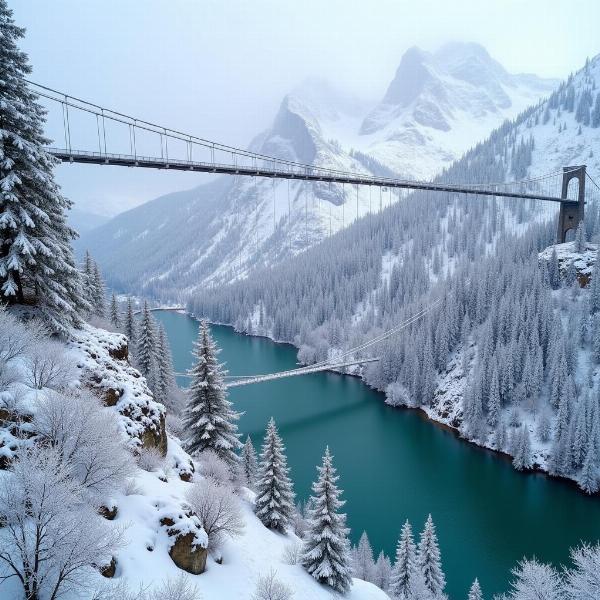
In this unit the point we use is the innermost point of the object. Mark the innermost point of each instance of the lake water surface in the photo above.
(394, 465)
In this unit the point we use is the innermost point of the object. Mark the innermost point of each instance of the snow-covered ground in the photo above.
(99, 361)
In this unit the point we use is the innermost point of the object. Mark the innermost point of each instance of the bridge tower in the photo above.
(571, 213)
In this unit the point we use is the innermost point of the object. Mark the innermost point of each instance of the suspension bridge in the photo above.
(148, 145)
(336, 363)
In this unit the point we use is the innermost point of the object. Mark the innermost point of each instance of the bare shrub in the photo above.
(131, 488)
(9, 375)
(150, 459)
(218, 510)
(50, 538)
(215, 468)
(48, 366)
(117, 590)
(175, 425)
(178, 588)
(269, 587)
(16, 338)
(87, 437)
(291, 553)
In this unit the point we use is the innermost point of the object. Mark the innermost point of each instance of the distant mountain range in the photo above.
(83, 221)
(436, 107)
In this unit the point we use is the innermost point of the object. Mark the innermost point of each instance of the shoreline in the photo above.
(536, 470)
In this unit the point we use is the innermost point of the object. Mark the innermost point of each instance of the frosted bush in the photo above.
(175, 425)
(52, 551)
(16, 338)
(218, 510)
(292, 553)
(215, 468)
(9, 375)
(178, 588)
(48, 367)
(150, 459)
(397, 395)
(269, 587)
(88, 438)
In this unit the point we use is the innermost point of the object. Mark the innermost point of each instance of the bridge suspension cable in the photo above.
(204, 155)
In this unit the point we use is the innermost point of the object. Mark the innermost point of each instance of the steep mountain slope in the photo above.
(227, 228)
(509, 355)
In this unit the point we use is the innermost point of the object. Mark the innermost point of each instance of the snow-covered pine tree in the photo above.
(326, 552)
(130, 325)
(115, 317)
(36, 260)
(209, 418)
(588, 477)
(164, 381)
(429, 560)
(382, 572)
(98, 291)
(522, 458)
(146, 343)
(249, 463)
(475, 591)
(274, 491)
(363, 564)
(404, 565)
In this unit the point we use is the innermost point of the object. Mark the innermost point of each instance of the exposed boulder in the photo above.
(188, 540)
(108, 513)
(110, 569)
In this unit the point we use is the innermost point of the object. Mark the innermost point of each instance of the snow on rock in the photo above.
(101, 357)
(153, 507)
(568, 258)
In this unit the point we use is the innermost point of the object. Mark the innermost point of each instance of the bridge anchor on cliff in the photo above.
(571, 213)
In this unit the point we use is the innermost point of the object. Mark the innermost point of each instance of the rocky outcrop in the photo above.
(156, 437)
(120, 351)
(571, 262)
(101, 357)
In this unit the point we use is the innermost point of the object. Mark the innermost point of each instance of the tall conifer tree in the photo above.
(405, 564)
(209, 417)
(36, 260)
(429, 560)
(274, 491)
(326, 554)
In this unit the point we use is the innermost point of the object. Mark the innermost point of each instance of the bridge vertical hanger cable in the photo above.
(134, 141)
(305, 214)
(104, 132)
(343, 205)
(68, 124)
(274, 219)
(99, 139)
(167, 147)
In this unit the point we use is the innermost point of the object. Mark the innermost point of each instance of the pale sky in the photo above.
(219, 68)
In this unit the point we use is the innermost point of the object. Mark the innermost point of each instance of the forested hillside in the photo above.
(507, 354)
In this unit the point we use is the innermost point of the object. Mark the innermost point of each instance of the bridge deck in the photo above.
(307, 174)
